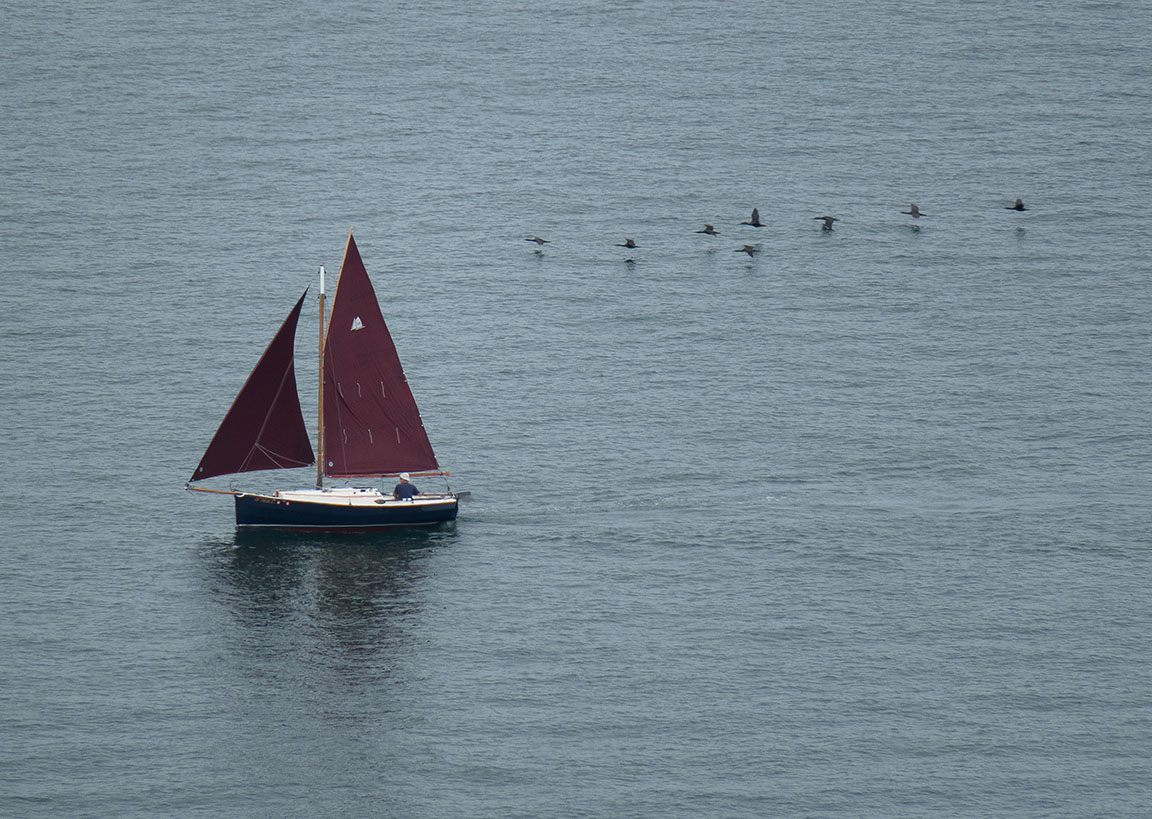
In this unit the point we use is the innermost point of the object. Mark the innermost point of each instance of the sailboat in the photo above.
(368, 427)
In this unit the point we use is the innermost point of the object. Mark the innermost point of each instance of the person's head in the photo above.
(403, 477)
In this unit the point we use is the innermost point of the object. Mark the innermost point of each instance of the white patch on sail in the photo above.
(357, 324)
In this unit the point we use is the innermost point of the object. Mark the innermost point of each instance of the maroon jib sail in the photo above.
(371, 423)
(264, 429)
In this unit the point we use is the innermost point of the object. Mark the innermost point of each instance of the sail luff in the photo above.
(320, 392)
(264, 428)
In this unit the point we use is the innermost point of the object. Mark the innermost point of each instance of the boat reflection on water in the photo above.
(378, 541)
(348, 608)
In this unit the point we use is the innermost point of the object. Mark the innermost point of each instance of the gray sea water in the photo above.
(858, 526)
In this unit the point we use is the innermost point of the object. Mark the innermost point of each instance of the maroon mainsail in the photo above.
(264, 428)
(371, 423)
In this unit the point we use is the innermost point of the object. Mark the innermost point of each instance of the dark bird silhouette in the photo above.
(1018, 206)
(755, 220)
(628, 243)
(538, 240)
(828, 220)
(711, 231)
(914, 211)
(749, 249)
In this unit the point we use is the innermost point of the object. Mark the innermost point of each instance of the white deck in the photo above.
(356, 496)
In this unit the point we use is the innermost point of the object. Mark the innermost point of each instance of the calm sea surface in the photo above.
(858, 526)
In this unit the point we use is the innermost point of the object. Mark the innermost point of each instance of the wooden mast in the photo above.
(320, 401)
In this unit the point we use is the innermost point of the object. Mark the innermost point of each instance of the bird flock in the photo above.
(754, 221)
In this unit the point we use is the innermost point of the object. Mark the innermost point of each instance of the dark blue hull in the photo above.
(279, 513)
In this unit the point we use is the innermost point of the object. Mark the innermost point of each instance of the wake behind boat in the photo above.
(369, 424)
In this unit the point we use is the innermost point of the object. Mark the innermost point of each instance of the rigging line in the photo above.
(278, 459)
(264, 424)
